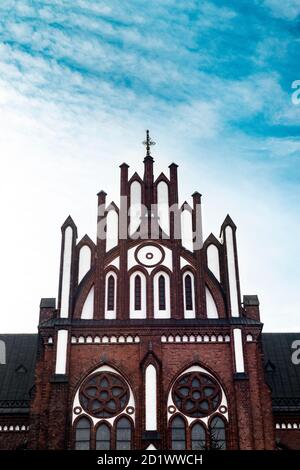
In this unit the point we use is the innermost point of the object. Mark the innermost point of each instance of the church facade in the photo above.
(150, 344)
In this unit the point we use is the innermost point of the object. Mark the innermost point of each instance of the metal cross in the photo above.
(148, 142)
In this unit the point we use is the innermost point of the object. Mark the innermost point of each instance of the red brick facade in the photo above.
(205, 337)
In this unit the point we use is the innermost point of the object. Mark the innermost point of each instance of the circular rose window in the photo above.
(196, 394)
(104, 395)
(149, 255)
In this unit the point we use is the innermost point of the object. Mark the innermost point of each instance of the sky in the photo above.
(80, 82)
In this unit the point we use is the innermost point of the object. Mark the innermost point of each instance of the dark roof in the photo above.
(17, 374)
(281, 374)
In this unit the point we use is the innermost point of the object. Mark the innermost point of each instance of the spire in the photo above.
(148, 172)
(148, 142)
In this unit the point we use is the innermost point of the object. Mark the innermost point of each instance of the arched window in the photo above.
(2, 352)
(217, 434)
(162, 293)
(103, 437)
(188, 292)
(137, 293)
(111, 293)
(178, 434)
(123, 434)
(83, 434)
(198, 437)
(151, 398)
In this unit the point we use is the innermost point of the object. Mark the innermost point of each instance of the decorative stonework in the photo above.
(197, 338)
(105, 339)
(149, 255)
(196, 394)
(287, 426)
(14, 428)
(104, 395)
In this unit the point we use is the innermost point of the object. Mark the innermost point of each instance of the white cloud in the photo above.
(289, 9)
(69, 117)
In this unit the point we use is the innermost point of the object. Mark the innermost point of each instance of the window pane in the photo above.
(83, 433)
(123, 445)
(123, 435)
(162, 292)
(111, 293)
(82, 445)
(178, 445)
(137, 293)
(102, 445)
(217, 434)
(103, 437)
(178, 433)
(198, 437)
(188, 292)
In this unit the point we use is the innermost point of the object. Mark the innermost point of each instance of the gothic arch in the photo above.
(205, 368)
(217, 294)
(195, 405)
(83, 291)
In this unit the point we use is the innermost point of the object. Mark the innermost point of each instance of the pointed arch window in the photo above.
(111, 293)
(103, 437)
(198, 437)
(217, 434)
(162, 292)
(137, 292)
(123, 434)
(188, 292)
(178, 434)
(83, 434)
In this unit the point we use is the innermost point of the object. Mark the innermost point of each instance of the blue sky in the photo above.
(80, 82)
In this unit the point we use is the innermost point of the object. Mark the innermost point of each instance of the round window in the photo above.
(196, 394)
(104, 395)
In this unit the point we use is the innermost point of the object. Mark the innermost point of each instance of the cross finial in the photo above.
(148, 142)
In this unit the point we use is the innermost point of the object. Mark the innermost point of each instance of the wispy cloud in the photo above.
(289, 9)
(81, 80)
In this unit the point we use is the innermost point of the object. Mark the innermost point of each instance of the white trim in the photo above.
(163, 206)
(87, 312)
(232, 275)
(135, 211)
(115, 263)
(151, 398)
(2, 352)
(187, 230)
(85, 256)
(213, 262)
(66, 273)
(211, 308)
(112, 229)
(61, 352)
(143, 312)
(184, 262)
(189, 313)
(167, 312)
(238, 350)
(111, 314)
(195, 338)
